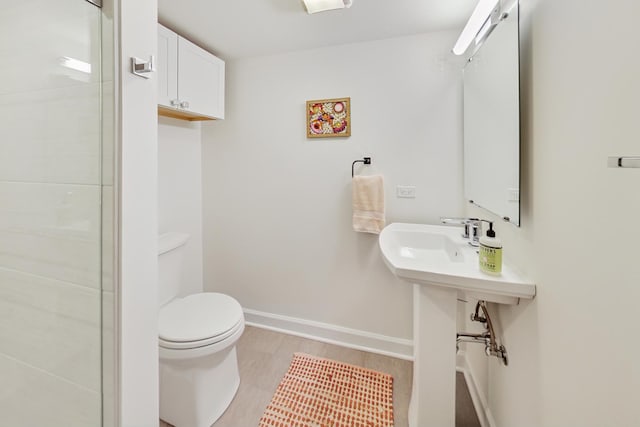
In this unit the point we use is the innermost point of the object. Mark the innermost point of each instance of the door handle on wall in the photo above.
(624, 162)
(141, 67)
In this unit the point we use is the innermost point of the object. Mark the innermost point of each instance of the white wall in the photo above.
(573, 350)
(180, 191)
(277, 213)
(138, 219)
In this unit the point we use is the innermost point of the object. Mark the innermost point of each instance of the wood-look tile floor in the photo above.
(264, 357)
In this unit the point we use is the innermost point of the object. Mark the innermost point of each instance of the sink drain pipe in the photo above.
(488, 338)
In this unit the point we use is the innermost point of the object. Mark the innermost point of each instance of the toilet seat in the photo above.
(177, 345)
(199, 320)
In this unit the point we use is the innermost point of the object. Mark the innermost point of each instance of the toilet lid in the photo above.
(198, 317)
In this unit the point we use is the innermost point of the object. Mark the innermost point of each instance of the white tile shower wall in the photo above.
(62, 127)
(49, 214)
(51, 230)
(36, 52)
(180, 192)
(277, 206)
(51, 325)
(33, 397)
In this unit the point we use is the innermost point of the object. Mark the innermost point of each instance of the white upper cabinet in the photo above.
(200, 80)
(190, 79)
(167, 66)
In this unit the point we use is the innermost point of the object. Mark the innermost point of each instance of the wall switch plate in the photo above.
(406, 191)
(513, 195)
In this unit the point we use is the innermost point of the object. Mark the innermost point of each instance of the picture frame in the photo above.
(329, 118)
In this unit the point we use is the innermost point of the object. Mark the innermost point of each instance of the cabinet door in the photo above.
(167, 67)
(200, 80)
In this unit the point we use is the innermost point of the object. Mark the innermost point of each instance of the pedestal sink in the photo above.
(442, 267)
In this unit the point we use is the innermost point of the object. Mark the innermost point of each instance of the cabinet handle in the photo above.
(184, 104)
(175, 102)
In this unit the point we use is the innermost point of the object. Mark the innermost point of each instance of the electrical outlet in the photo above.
(406, 191)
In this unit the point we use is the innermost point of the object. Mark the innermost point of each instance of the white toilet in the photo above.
(197, 336)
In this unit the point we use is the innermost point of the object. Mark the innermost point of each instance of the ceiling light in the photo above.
(476, 22)
(314, 6)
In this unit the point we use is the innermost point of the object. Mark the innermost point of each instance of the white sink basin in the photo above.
(438, 255)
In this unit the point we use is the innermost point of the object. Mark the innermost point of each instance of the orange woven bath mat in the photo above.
(317, 392)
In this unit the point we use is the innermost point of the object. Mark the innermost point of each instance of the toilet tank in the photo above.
(170, 254)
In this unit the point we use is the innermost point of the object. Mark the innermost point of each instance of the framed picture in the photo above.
(329, 118)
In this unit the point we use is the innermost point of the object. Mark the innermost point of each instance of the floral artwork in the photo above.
(329, 118)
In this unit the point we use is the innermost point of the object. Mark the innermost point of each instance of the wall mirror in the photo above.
(492, 120)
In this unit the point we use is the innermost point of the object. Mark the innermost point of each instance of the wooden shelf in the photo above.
(181, 114)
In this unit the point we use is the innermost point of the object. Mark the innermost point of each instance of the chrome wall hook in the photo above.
(143, 68)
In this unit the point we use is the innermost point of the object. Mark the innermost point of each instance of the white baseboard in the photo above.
(478, 398)
(331, 334)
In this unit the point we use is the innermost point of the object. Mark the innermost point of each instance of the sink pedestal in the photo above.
(441, 265)
(433, 395)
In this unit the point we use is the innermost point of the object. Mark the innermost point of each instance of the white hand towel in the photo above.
(368, 204)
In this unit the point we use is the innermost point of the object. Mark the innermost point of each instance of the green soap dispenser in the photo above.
(490, 254)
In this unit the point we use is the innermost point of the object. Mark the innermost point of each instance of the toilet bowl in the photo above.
(196, 335)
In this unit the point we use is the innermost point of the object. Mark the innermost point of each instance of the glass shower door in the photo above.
(50, 214)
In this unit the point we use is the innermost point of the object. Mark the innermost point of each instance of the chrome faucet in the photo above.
(472, 228)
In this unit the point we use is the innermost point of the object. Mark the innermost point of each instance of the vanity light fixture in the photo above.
(314, 6)
(479, 22)
(485, 30)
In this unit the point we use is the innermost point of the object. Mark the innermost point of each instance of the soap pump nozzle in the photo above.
(490, 232)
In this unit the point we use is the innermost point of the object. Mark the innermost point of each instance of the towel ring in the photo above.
(365, 160)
